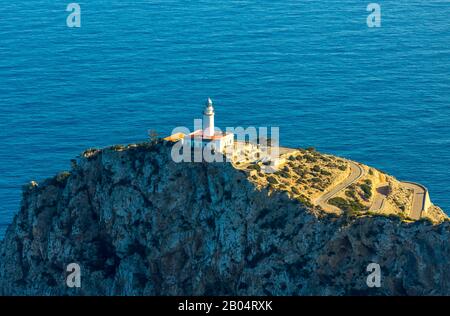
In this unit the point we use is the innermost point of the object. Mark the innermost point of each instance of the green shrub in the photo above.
(338, 202)
(304, 200)
(117, 147)
(318, 187)
(355, 206)
(316, 168)
(310, 158)
(298, 170)
(255, 167)
(295, 190)
(367, 189)
(153, 136)
(325, 172)
(351, 194)
(62, 176)
(272, 180)
(349, 207)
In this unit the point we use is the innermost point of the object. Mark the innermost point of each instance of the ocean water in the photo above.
(313, 68)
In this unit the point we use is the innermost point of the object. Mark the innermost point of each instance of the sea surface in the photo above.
(313, 68)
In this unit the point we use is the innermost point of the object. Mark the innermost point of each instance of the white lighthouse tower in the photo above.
(208, 119)
(207, 136)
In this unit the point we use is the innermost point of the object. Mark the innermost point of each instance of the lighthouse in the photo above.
(208, 119)
(207, 136)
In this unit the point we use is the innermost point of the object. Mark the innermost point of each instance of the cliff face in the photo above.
(139, 224)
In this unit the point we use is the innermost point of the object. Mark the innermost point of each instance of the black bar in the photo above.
(226, 305)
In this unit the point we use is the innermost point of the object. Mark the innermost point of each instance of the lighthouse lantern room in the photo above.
(208, 136)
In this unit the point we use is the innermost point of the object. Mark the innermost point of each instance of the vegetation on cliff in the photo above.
(138, 223)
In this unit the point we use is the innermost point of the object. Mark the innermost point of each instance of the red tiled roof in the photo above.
(199, 134)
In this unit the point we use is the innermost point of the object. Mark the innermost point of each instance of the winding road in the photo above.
(356, 173)
(419, 196)
(418, 202)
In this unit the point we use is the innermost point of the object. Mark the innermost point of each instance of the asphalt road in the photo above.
(355, 174)
(418, 199)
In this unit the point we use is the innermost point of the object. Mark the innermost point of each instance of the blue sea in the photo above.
(313, 68)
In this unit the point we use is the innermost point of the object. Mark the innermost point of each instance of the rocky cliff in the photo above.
(139, 224)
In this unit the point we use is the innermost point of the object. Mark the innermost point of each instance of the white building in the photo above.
(207, 136)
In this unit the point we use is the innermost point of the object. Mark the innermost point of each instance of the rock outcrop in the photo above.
(138, 223)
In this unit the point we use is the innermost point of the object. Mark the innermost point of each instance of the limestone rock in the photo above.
(139, 224)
